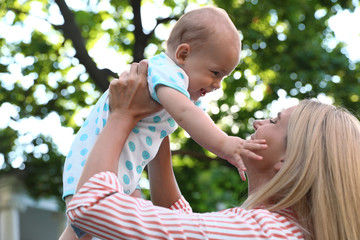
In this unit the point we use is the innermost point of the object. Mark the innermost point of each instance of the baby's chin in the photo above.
(194, 98)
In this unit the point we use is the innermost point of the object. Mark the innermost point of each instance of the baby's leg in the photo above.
(83, 143)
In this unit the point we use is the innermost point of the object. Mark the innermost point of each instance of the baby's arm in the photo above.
(201, 127)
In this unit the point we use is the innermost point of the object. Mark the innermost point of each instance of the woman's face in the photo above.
(274, 131)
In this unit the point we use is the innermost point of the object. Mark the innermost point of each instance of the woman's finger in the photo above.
(142, 70)
(134, 75)
(123, 75)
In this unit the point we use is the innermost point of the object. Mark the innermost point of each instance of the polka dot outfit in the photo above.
(144, 140)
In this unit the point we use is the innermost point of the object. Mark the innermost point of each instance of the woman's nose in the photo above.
(258, 123)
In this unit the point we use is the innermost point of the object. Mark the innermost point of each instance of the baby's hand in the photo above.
(236, 148)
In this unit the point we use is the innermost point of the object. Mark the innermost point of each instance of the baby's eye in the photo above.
(271, 120)
(216, 73)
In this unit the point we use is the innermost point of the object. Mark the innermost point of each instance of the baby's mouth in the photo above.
(202, 92)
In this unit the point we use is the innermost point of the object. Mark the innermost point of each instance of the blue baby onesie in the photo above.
(143, 142)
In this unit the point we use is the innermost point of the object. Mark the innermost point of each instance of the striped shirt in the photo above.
(103, 210)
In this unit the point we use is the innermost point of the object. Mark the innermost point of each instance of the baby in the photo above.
(203, 48)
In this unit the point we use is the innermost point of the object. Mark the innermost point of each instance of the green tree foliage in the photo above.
(285, 53)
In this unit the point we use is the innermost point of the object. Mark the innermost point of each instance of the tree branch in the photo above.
(160, 21)
(142, 39)
(71, 31)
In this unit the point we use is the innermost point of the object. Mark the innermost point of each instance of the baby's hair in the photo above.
(197, 26)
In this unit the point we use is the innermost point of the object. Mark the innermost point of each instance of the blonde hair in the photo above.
(198, 26)
(320, 178)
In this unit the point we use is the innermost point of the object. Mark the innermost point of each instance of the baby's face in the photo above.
(207, 67)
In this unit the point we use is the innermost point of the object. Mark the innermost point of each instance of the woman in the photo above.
(306, 186)
(318, 177)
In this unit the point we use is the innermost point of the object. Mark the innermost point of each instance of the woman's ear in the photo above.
(279, 165)
(182, 52)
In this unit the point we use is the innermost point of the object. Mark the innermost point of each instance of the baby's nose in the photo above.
(216, 85)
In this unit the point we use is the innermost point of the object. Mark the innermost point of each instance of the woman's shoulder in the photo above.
(280, 223)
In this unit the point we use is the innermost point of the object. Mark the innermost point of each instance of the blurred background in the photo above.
(57, 58)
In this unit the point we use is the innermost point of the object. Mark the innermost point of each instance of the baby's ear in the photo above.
(279, 165)
(182, 52)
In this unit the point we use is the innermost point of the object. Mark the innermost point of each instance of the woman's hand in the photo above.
(129, 95)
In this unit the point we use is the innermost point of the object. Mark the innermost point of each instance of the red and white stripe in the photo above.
(103, 210)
